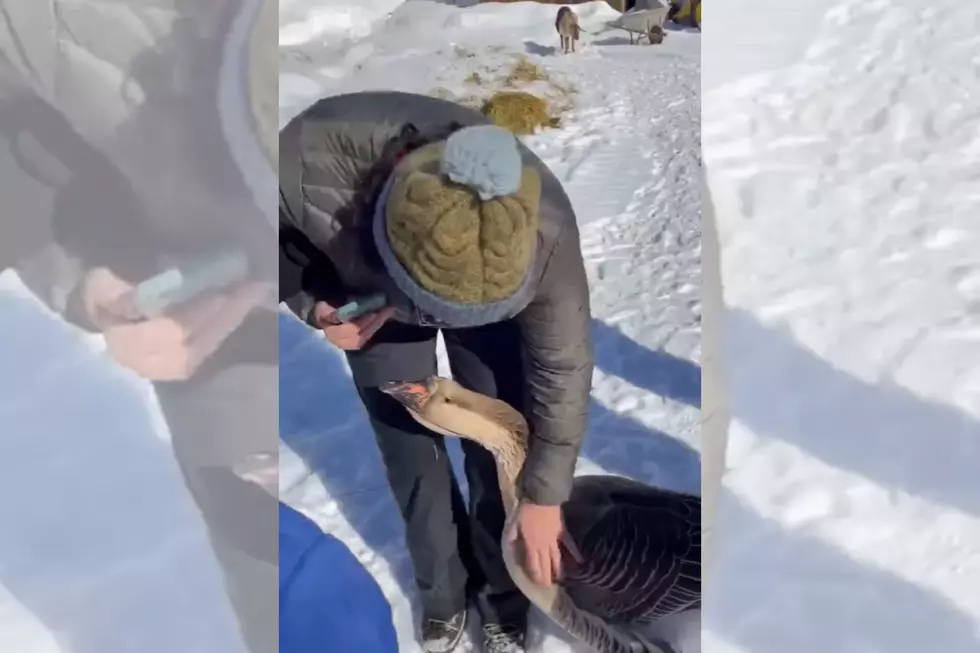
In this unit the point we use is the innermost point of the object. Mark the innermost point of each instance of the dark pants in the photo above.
(456, 555)
(219, 419)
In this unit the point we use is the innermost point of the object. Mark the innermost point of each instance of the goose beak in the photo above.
(410, 394)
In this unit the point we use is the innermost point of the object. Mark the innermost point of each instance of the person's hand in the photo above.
(172, 347)
(352, 335)
(539, 528)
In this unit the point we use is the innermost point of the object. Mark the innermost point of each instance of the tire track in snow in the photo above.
(630, 159)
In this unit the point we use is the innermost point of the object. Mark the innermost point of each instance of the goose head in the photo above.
(446, 407)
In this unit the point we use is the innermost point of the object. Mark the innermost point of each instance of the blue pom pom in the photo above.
(484, 158)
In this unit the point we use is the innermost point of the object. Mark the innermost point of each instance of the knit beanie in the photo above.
(457, 224)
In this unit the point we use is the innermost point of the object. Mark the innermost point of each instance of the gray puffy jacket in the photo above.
(326, 153)
(132, 135)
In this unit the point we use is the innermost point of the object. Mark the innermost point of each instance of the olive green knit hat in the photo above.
(461, 217)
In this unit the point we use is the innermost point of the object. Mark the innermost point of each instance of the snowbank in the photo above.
(521, 15)
(313, 65)
(413, 23)
(315, 21)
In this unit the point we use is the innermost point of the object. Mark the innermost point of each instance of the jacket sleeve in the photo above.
(317, 186)
(559, 362)
(29, 243)
(54, 276)
(306, 276)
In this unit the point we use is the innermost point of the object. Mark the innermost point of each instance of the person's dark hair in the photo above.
(409, 139)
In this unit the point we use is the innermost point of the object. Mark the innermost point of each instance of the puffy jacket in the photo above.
(325, 154)
(128, 139)
(327, 601)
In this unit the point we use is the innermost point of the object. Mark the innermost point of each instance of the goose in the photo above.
(631, 552)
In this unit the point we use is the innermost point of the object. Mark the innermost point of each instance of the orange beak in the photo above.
(410, 394)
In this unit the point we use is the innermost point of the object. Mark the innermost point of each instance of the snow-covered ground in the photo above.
(842, 141)
(101, 547)
(628, 153)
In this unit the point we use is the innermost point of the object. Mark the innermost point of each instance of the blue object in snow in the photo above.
(484, 158)
(328, 602)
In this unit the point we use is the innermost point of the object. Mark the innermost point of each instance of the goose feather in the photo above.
(640, 550)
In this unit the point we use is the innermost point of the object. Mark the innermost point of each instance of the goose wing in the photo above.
(640, 549)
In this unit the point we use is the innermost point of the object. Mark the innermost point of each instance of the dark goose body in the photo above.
(640, 546)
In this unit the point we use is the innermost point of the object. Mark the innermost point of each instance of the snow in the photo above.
(842, 151)
(101, 548)
(304, 22)
(108, 548)
(628, 153)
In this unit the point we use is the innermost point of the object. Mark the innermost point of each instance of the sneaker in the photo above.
(503, 638)
(443, 636)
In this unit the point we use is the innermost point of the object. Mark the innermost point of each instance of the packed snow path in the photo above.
(629, 156)
(843, 153)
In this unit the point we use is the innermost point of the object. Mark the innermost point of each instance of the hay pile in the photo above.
(520, 112)
(525, 71)
(521, 97)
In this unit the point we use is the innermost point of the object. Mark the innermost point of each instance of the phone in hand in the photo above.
(181, 284)
(361, 306)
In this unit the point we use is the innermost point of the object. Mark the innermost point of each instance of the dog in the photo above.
(566, 23)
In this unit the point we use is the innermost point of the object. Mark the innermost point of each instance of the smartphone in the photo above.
(178, 285)
(361, 306)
